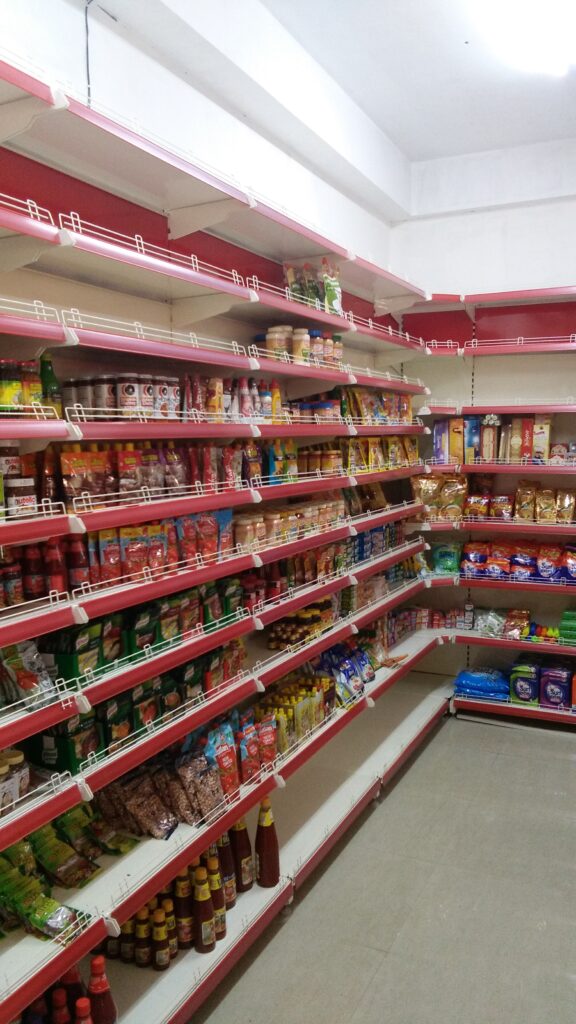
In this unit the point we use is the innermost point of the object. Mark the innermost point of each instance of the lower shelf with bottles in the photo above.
(311, 814)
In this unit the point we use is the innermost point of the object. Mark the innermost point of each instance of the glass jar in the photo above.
(11, 390)
(301, 345)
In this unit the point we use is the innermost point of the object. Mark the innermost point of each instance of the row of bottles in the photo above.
(70, 1002)
(191, 911)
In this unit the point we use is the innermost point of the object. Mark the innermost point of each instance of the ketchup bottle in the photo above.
(55, 566)
(60, 1011)
(103, 1006)
(242, 850)
(160, 942)
(33, 578)
(143, 939)
(183, 910)
(82, 1011)
(78, 567)
(204, 931)
(217, 894)
(227, 872)
(75, 987)
(266, 848)
(168, 908)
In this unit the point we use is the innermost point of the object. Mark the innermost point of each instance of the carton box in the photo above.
(441, 437)
(541, 439)
(456, 443)
(471, 438)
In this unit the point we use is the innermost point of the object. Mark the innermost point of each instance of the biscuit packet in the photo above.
(545, 505)
(565, 506)
(525, 500)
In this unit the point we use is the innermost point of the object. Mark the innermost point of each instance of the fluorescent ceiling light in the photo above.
(530, 35)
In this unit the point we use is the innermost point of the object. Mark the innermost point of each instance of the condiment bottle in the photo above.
(227, 872)
(204, 932)
(127, 941)
(75, 987)
(55, 566)
(60, 1011)
(38, 1011)
(78, 566)
(276, 401)
(168, 908)
(266, 848)
(217, 894)
(82, 1012)
(160, 942)
(101, 1002)
(205, 857)
(142, 940)
(112, 949)
(242, 850)
(183, 910)
(152, 904)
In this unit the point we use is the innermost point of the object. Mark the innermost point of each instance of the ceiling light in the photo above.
(530, 35)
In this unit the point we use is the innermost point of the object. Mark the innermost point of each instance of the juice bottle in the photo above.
(205, 935)
(242, 850)
(142, 939)
(55, 566)
(183, 910)
(101, 1002)
(217, 894)
(160, 942)
(75, 987)
(266, 848)
(276, 401)
(227, 872)
(168, 908)
(50, 386)
(127, 941)
(82, 1012)
(60, 1006)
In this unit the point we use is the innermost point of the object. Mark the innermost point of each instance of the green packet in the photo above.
(60, 860)
(111, 840)
(74, 826)
(49, 917)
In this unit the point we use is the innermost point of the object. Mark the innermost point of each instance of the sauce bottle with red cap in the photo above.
(102, 1004)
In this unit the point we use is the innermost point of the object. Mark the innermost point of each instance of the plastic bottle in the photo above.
(265, 402)
(55, 566)
(75, 987)
(255, 396)
(82, 1013)
(112, 948)
(50, 385)
(276, 401)
(204, 932)
(102, 1004)
(78, 566)
(38, 1011)
(168, 908)
(245, 398)
(160, 942)
(242, 850)
(60, 1012)
(183, 910)
(142, 939)
(227, 872)
(152, 904)
(217, 894)
(33, 579)
(266, 848)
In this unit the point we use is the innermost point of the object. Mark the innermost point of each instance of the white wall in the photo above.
(515, 248)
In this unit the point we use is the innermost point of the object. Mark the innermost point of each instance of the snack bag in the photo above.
(549, 562)
(501, 506)
(545, 505)
(129, 462)
(523, 562)
(452, 497)
(133, 551)
(157, 546)
(207, 535)
(498, 561)
(525, 500)
(476, 506)
(474, 558)
(176, 468)
(76, 477)
(187, 539)
(446, 559)
(110, 556)
(221, 752)
(565, 506)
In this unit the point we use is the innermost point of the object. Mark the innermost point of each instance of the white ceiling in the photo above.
(421, 70)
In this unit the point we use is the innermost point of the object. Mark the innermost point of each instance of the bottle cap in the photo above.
(201, 874)
(83, 1007)
(213, 864)
(142, 914)
(168, 906)
(59, 998)
(98, 965)
(159, 917)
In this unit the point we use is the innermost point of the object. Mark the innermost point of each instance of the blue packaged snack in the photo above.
(549, 562)
(474, 558)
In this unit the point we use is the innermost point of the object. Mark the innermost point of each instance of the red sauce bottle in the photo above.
(227, 872)
(266, 848)
(60, 1011)
(204, 932)
(33, 579)
(242, 850)
(55, 566)
(75, 987)
(82, 1012)
(103, 1006)
(183, 910)
(217, 894)
(78, 567)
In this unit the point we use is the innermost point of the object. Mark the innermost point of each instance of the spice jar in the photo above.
(173, 397)
(331, 461)
(18, 768)
(104, 392)
(160, 388)
(244, 531)
(7, 789)
(20, 493)
(314, 462)
(337, 348)
(128, 393)
(70, 394)
(317, 344)
(273, 523)
(84, 392)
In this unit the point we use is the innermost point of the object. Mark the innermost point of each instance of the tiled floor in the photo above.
(451, 902)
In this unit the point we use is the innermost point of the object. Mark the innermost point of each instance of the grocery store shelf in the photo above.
(47, 520)
(518, 408)
(34, 618)
(510, 468)
(41, 805)
(500, 527)
(25, 427)
(31, 966)
(566, 587)
(537, 647)
(520, 346)
(128, 508)
(510, 709)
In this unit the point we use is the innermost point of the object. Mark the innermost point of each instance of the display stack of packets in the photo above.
(529, 681)
(490, 438)
(523, 561)
(454, 497)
